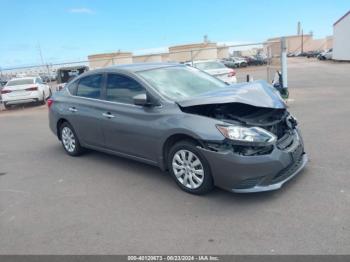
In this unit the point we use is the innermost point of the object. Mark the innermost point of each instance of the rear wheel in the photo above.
(43, 102)
(189, 168)
(70, 141)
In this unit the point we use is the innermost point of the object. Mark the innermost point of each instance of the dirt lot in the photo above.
(51, 203)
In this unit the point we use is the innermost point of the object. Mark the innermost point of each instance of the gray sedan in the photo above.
(205, 132)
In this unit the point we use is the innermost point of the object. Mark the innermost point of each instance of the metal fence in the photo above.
(251, 61)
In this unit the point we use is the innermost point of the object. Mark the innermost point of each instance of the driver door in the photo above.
(128, 128)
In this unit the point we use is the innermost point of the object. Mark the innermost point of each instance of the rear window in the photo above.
(90, 86)
(209, 65)
(18, 82)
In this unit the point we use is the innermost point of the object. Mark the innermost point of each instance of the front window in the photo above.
(209, 65)
(18, 82)
(181, 82)
(122, 89)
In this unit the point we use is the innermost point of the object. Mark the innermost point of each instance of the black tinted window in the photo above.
(90, 86)
(122, 89)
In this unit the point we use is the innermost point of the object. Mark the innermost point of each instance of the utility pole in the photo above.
(302, 40)
(284, 70)
(43, 64)
(41, 55)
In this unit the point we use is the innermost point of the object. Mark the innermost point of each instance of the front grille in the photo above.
(248, 183)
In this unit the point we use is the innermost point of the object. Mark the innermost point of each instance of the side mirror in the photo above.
(141, 100)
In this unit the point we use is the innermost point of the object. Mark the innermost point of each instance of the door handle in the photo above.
(108, 115)
(73, 109)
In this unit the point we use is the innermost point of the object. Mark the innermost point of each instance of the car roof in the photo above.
(138, 67)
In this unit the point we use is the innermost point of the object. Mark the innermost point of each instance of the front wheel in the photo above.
(70, 141)
(189, 168)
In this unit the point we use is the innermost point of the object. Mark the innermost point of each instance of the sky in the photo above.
(70, 30)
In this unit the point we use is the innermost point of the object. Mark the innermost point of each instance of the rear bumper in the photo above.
(21, 99)
(248, 174)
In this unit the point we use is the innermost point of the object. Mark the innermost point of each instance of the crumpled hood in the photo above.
(257, 93)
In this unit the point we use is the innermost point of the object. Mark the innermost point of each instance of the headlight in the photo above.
(254, 135)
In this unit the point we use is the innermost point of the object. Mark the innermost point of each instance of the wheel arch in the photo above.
(172, 140)
(58, 125)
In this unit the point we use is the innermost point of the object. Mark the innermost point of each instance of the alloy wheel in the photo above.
(68, 139)
(188, 169)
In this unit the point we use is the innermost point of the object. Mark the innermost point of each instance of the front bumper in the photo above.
(248, 174)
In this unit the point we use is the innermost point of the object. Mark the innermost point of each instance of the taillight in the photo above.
(49, 102)
(5, 91)
(232, 73)
(34, 88)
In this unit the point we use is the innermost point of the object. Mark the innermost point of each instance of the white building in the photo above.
(341, 38)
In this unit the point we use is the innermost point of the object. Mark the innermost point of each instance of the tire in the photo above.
(69, 140)
(7, 107)
(189, 168)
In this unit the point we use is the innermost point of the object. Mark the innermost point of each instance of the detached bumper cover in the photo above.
(248, 174)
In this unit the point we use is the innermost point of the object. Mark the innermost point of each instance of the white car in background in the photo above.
(25, 90)
(217, 69)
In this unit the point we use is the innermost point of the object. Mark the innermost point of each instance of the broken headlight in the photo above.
(251, 135)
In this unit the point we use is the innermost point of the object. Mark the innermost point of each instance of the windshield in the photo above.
(18, 82)
(209, 65)
(180, 82)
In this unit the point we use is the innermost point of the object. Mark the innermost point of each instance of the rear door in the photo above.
(85, 110)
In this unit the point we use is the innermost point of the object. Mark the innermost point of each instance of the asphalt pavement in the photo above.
(51, 203)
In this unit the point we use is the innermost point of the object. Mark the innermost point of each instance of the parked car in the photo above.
(217, 69)
(326, 55)
(3, 82)
(314, 53)
(44, 77)
(206, 133)
(48, 77)
(25, 90)
(66, 74)
(234, 62)
(255, 60)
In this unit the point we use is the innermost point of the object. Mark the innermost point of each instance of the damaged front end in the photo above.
(262, 147)
(277, 122)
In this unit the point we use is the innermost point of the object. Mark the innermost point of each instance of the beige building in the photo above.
(299, 43)
(223, 51)
(108, 59)
(151, 58)
(201, 51)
